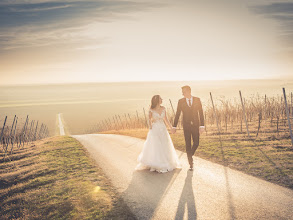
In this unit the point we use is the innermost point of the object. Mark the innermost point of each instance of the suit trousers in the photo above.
(191, 131)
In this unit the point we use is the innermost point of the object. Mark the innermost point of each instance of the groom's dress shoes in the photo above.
(191, 167)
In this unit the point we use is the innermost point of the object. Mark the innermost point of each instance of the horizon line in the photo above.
(144, 81)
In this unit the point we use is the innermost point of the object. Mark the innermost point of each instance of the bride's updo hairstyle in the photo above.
(155, 101)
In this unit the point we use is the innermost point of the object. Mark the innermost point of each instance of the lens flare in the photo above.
(97, 189)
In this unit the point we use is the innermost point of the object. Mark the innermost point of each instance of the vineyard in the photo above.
(256, 117)
(17, 132)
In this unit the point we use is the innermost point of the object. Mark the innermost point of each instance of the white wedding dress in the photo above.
(158, 152)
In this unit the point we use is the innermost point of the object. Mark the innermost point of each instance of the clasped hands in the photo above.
(173, 130)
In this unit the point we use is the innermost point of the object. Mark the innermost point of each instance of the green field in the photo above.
(56, 179)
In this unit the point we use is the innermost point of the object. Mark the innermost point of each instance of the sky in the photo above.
(72, 41)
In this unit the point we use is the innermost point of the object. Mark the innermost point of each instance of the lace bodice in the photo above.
(156, 117)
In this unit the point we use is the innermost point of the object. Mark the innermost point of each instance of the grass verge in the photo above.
(56, 179)
(270, 160)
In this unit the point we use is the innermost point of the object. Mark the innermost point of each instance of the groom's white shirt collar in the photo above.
(191, 100)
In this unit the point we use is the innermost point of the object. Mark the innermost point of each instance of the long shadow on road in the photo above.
(228, 187)
(146, 190)
(187, 199)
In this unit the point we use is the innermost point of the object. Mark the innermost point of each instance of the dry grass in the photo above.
(269, 159)
(56, 179)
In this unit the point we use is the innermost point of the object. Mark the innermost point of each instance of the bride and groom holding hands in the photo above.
(158, 153)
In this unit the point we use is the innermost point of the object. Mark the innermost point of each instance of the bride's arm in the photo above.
(167, 120)
(150, 119)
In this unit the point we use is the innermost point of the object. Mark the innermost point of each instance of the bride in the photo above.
(158, 153)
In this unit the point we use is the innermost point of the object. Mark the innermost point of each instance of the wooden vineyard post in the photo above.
(1, 136)
(40, 131)
(31, 131)
(291, 104)
(44, 132)
(174, 113)
(24, 134)
(259, 121)
(13, 138)
(9, 139)
(265, 114)
(172, 107)
(12, 126)
(47, 132)
(21, 136)
(288, 116)
(265, 108)
(172, 110)
(241, 117)
(215, 115)
(28, 132)
(243, 110)
(278, 124)
(35, 135)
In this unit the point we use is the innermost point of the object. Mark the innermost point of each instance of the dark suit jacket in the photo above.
(191, 115)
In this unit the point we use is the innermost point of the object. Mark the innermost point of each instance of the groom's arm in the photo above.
(178, 112)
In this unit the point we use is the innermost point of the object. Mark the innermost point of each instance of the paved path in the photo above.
(61, 126)
(211, 191)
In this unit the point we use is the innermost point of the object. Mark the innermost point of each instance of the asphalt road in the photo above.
(211, 191)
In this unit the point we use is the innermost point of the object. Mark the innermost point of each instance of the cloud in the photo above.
(275, 8)
(43, 22)
(36, 9)
(282, 12)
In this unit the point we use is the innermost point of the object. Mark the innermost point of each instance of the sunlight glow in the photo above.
(97, 189)
(157, 42)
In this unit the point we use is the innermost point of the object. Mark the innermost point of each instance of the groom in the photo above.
(193, 121)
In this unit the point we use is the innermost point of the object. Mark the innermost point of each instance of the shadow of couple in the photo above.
(147, 190)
